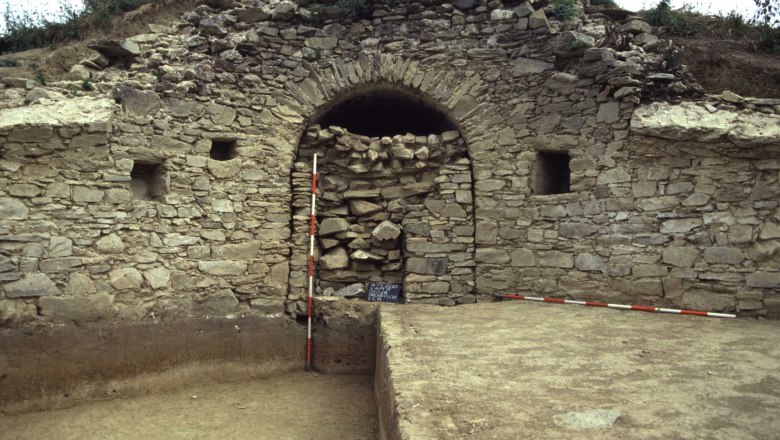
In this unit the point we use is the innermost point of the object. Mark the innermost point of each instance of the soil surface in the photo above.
(296, 406)
(720, 65)
(540, 371)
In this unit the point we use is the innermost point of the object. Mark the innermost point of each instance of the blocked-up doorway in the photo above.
(394, 201)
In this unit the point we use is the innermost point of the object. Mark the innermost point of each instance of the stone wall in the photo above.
(391, 209)
(168, 191)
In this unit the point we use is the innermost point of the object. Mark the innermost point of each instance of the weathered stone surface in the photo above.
(538, 19)
(60, 247)
(32, 285)
(126, 278)
(681, 256)
(110, 244)
(680, 226)
(386, 230)
(283, 11)
(116, 49)
(769, 231)
(555, 259)
(523, 9)
(80, 284)
(222, 267)
(12, 209)
(492, 256)
(589, 262)
(361, 255)
(689, 121)
(77, 309)
(62, 264)
(220, 114)
(138, 103)
(636, 27)
(704, 300)
(523, 258)
(362, 207)
(427, 266)
(609, 113)
(576, 230)
(331, 226)
(158, 277)
(236, 251)
(351, 291)
(322, 43)
(723, 255)
(24, 190)
(87, 195)
(770, 280)
(220, 303)
(335, 259)
(224, 169)
(252, 15)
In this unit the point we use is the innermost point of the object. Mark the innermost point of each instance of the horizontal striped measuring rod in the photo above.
(618, 306)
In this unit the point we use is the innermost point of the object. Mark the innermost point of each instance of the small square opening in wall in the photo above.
(552, 175)
(148, 181)
(223, 149)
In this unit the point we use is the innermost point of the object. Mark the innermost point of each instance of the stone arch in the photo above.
(432, 209)
(459, 94)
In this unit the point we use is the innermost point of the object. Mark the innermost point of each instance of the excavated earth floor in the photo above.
(541, 371)
(305, 406)
(485, 371)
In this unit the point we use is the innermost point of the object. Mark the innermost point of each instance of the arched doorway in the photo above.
(394, 203)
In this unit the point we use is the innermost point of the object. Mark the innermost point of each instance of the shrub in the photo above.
(564, 10)
(768, 38)
(86, 84)
(605, 3)
(9, 62)
(676, 21)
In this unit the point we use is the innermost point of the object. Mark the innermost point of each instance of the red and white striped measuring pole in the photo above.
(618, 306)
(311, 259)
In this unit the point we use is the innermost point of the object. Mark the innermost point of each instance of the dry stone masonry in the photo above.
(573, 160)
(393, 209)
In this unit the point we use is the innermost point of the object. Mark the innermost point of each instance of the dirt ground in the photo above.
(720, 65)
(540, 371)
(296, 406)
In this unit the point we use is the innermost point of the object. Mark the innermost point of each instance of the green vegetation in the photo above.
(564, 10)
(86, 85)
(605, 3)
(9, 62)
(686, 22)
(28, 30)
(40, 76)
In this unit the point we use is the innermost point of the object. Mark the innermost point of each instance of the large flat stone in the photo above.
(32, 285)
(690, 121)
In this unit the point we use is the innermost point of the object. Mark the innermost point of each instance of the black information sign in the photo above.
(384, 292)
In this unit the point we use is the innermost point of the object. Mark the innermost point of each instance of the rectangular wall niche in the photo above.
(552, 175)
(148, 181)
(223, 149)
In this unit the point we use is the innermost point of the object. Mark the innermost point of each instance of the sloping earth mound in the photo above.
(729, 65)
(53, 62)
